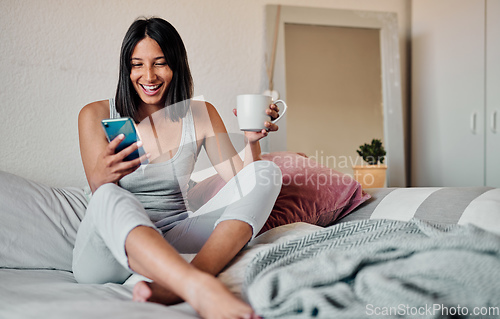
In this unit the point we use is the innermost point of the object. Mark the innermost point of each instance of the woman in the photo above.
(136, 220)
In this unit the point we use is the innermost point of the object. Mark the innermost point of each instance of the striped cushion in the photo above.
(447, 205)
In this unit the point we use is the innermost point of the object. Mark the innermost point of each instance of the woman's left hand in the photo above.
(272, 111)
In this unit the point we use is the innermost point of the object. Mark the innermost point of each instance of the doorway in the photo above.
(333, 79)
(278, 18)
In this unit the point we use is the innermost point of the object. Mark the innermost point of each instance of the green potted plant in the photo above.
(372, 175)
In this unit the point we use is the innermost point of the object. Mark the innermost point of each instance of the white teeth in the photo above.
(151, 87)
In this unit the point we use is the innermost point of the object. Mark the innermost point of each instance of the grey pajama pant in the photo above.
(99, 255)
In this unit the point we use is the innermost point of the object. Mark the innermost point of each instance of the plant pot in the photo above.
(370, 176)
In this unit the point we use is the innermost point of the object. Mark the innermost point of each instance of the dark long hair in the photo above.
(180, 89)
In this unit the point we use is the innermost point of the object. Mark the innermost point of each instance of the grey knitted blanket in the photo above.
(379, 268)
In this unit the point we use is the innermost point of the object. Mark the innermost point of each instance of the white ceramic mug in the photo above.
(251, 111)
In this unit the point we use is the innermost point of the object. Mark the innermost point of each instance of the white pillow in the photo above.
(38, 224)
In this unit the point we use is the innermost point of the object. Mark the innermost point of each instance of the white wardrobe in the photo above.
(455, 109)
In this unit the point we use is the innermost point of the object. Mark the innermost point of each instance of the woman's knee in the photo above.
(100, 196)
(106, 199)
(268, 175)
(105, 190)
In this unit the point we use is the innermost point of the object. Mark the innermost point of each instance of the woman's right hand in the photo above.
(111, 167)
(99, 160)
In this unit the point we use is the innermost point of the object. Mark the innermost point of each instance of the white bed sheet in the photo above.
(55, 294)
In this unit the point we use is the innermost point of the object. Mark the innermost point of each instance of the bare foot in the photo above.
(206, 294)
(153, 292)
(213, 300)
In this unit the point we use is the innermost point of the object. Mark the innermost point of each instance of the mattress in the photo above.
(45, 293)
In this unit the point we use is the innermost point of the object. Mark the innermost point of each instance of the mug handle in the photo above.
(281, 114)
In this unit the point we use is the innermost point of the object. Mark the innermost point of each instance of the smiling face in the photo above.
(150, 74)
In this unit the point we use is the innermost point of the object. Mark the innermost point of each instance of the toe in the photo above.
(141, 292)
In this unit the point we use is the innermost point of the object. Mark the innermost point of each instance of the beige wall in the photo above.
(56, 56)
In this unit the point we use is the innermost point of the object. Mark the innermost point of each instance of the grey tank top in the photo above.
(162, 187)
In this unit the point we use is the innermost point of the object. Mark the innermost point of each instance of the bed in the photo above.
(331, 250)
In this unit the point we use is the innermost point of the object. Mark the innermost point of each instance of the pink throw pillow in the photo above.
(311, 193)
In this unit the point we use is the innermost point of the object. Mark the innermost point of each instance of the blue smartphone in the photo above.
(125, 126)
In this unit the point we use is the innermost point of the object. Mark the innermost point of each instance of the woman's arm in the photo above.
(210, 129)
(100, 162)
(214, 137)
